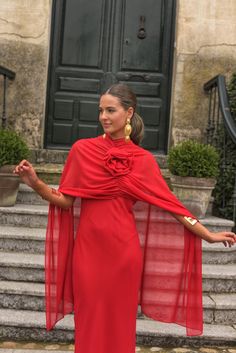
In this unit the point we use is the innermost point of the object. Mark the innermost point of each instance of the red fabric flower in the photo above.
(118, 162)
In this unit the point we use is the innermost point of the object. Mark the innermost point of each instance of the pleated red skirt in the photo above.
(107, 269)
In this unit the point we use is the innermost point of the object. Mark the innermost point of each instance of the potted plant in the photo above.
(12, 150)
(194, 168)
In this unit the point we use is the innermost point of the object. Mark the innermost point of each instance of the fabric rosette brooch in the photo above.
(118, 162)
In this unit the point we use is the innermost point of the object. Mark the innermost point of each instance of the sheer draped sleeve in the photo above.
(171, 289)
(58, 264)
(171, 286)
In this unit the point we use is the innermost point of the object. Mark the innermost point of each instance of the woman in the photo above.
(117, 261)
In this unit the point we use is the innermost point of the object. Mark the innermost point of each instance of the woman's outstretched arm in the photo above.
(227, 238)
(28, 175)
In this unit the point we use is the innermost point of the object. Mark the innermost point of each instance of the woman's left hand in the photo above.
(227, 238)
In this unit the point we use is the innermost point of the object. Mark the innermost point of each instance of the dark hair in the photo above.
(128, 99)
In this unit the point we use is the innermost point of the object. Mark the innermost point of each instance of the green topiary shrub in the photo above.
(193, 159)
(12, 148)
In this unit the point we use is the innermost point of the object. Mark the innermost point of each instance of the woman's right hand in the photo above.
(27, 173)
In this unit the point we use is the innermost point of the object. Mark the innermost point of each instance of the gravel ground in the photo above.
(19, 347)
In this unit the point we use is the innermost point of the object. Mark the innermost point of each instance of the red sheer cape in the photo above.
(171, 286)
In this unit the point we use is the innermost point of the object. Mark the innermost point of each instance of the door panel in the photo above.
(95, 44)
(142, 53)
(141, 65)
(79, 62)
(78, 84)
(83, 33)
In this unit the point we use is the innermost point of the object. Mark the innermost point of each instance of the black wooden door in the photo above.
(95, 44)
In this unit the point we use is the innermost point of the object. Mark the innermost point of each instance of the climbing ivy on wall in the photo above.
(232, 95)
(223, 207)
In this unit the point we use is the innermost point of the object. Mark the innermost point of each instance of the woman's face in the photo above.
(113, 116)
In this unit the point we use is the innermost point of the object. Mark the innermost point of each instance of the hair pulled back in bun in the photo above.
(127, 99)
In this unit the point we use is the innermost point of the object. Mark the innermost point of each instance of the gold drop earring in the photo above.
(104, 135)
(128, 129)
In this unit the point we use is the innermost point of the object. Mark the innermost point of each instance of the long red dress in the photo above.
(124, 248)
(107, 267)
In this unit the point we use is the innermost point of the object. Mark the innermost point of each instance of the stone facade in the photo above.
(24, 43)
(205, 46)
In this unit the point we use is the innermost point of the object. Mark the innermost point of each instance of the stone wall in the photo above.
(205, 47)
(24, 47)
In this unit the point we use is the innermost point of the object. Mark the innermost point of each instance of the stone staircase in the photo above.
(22, 317)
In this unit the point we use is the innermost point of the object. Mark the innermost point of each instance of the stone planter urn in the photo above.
(194, 193)
(9, 186)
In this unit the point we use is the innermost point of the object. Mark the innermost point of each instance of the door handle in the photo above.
(142, 31)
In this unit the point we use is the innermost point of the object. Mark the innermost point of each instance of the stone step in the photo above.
(22, 295)
(50, 173)
(24, 215)
(22, 239)
(216, 224)
(218, 254)
(218, 308)
(31, 240)
(49, 157)
(26, 195)
(22, 267)
(10, 350)
(30, 268)
(219, 278)
(27, 215)
(30, 326)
